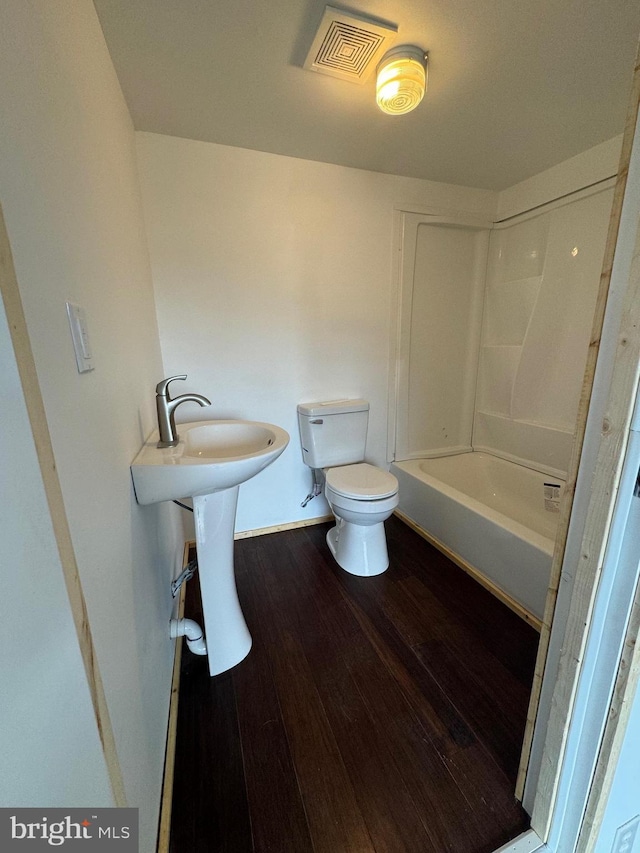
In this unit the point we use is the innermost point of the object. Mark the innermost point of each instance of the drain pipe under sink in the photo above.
(192, 631)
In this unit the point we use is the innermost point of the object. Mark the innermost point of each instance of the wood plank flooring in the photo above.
(377, 714)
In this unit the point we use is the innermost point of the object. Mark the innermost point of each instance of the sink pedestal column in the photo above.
(226, 632)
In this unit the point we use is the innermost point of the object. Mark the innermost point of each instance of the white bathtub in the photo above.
(495, 518)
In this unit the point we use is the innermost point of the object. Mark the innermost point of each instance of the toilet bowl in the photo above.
(361, 496)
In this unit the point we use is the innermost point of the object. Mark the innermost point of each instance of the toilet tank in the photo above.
(333, 432)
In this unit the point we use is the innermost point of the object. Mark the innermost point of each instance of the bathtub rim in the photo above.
(538, 540)
(547, 470)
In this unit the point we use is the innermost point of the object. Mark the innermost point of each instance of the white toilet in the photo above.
(361, 496)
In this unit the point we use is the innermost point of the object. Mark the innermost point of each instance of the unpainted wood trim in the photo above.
(603, 491)
(60, 524)
(164, 827)
(572, 474)
(278, 528)
(510, 602)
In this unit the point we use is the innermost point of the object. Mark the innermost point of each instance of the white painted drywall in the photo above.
(273, 281)
(69, 189)
(49, 740)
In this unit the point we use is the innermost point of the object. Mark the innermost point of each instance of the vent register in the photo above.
(348, 46)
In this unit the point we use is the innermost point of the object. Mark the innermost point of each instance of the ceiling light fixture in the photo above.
(401, 79)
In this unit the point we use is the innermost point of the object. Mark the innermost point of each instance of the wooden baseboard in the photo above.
(278, 528)
(164, 829)
(511, 603)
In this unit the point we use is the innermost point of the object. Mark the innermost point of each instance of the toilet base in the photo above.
(359, 549)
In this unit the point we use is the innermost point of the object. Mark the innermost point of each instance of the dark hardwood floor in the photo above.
(377, 714)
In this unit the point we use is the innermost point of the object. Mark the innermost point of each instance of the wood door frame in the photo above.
(606, 408)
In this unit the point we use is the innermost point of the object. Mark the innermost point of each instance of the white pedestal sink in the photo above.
(210, 461)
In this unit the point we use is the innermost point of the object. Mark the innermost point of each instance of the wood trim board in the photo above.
(612, 441)
(277, 528)
(164, 827)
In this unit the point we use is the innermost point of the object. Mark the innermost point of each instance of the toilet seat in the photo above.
(362, 482)
(363, 509)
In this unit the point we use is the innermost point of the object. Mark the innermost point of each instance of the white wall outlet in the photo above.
(626, 836)
(80, 337)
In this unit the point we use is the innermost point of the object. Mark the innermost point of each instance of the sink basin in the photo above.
(210, 456)
(227, 440)
(210, 461)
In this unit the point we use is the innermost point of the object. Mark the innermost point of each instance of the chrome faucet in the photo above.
(166, 408)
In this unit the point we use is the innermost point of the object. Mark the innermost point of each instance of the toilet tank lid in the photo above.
(332, 407)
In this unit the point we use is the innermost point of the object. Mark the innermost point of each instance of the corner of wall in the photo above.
(585, 169)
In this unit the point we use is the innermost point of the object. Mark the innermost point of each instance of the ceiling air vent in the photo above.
(348, 46)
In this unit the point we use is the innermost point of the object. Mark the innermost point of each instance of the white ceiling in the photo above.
(515, 86)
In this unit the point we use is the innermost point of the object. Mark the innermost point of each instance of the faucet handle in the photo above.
(162, 387)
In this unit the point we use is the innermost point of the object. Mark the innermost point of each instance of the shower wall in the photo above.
(443, 272)
(494, 330)
(542, 281)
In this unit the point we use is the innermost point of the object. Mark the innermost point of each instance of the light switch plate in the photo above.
(80, 337)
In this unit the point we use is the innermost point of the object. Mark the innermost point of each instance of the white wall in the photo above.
(68, 186)
(46, 710)
(587, 168)
(273, 281)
